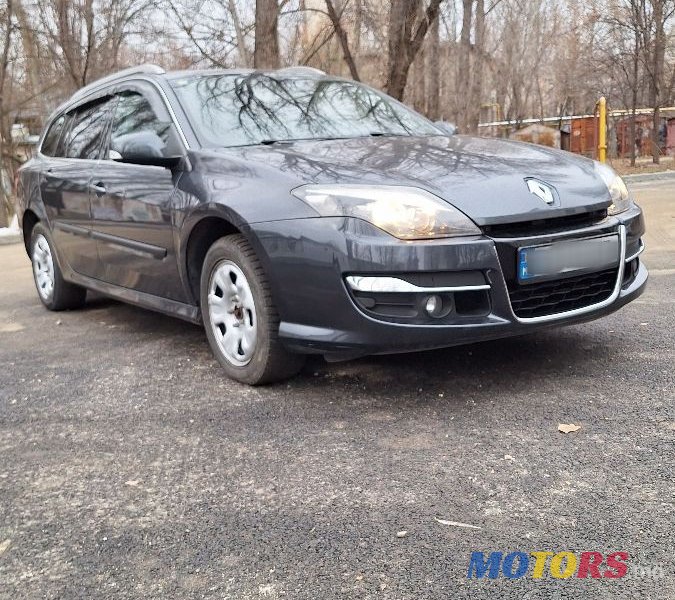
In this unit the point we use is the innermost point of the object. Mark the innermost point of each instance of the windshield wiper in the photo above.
(271, 142)
(387, 134)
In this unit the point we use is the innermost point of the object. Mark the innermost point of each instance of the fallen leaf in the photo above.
(568, 427)
(4, 546)
(401, 534)
(455, 523)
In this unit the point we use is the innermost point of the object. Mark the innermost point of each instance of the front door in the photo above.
(132, 208)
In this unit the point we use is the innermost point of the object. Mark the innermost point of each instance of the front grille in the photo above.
(545, 226)
(561, 295)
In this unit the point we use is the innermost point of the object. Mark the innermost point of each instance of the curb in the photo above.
(645, 177)
(11, 238)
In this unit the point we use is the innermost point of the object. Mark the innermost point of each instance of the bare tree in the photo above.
(449, 59)
(406, 34)
(661, 12)
(433, 71)
(475, 93)
(342, 36)
(266, 55)
(6, 33)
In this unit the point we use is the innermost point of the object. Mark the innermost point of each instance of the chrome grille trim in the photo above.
(598, 305)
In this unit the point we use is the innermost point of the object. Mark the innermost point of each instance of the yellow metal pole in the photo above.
(602, 130)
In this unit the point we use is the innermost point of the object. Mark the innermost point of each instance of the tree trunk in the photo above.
(419, 83)
(30, 49)
(475, 96)
(266, 54)
(5, 204)
(418, 92)
(401, 17)
(244, 55)
(634, 98)
(67, 43)
(463, 64)
(358, 23)
(405, 40)
(342, 37)
(433, 72)
(657, 75)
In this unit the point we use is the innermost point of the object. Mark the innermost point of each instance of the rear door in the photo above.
(66, 179)
(132, 204)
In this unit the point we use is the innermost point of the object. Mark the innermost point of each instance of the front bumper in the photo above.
(308, 261)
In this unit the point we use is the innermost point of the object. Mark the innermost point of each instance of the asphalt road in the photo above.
(131, 468)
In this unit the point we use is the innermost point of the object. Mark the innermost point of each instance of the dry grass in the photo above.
(643, 165)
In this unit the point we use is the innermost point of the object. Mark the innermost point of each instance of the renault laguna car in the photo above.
(296, 213)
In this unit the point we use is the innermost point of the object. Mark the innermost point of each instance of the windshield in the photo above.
(256, 108)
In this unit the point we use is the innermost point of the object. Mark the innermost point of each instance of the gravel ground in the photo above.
(131, 468)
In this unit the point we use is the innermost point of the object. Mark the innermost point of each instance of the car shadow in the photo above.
(510, 364)
(539, 360)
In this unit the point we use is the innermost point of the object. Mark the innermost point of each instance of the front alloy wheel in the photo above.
(232, 314)
(240, 318)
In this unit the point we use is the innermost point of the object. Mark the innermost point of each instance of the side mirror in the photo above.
(446, 127)
(146, 147)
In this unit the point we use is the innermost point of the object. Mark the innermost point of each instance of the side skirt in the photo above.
(187, 312)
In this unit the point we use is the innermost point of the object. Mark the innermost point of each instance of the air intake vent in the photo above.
(545, 226)
(561, 295)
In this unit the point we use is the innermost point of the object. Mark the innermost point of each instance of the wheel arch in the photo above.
(28, 223)
(199, 234)
(201, 237)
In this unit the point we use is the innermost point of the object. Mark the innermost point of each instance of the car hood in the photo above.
(486, 179)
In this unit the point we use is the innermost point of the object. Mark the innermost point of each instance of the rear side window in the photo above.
(51, 141)
(87, 130)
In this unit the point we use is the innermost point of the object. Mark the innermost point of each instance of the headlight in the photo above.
(621, 199)
(407, 213)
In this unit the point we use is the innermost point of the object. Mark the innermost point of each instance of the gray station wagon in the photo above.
(293, 213)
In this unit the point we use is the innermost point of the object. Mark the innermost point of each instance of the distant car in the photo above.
(298, 213)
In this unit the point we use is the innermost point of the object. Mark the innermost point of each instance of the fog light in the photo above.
(434, 306)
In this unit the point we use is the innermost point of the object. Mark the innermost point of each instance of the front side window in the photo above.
(134, 114)
(135, 125)
(248, 109)
(84, 137)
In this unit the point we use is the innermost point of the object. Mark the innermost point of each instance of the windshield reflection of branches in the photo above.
(234, 110)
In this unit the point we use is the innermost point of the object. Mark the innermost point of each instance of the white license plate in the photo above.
(568, 258)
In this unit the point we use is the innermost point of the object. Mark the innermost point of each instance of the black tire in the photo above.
(270, 361)
(64, 295)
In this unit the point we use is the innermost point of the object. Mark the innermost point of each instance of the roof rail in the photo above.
(301, 70)
(146, 69)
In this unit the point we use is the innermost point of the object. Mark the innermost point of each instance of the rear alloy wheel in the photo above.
(240, 319)
(54, 292)
(43, 268)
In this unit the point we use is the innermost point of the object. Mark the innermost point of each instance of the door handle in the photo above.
(98, 188)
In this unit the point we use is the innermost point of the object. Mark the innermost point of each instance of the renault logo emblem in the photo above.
(541, 190)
